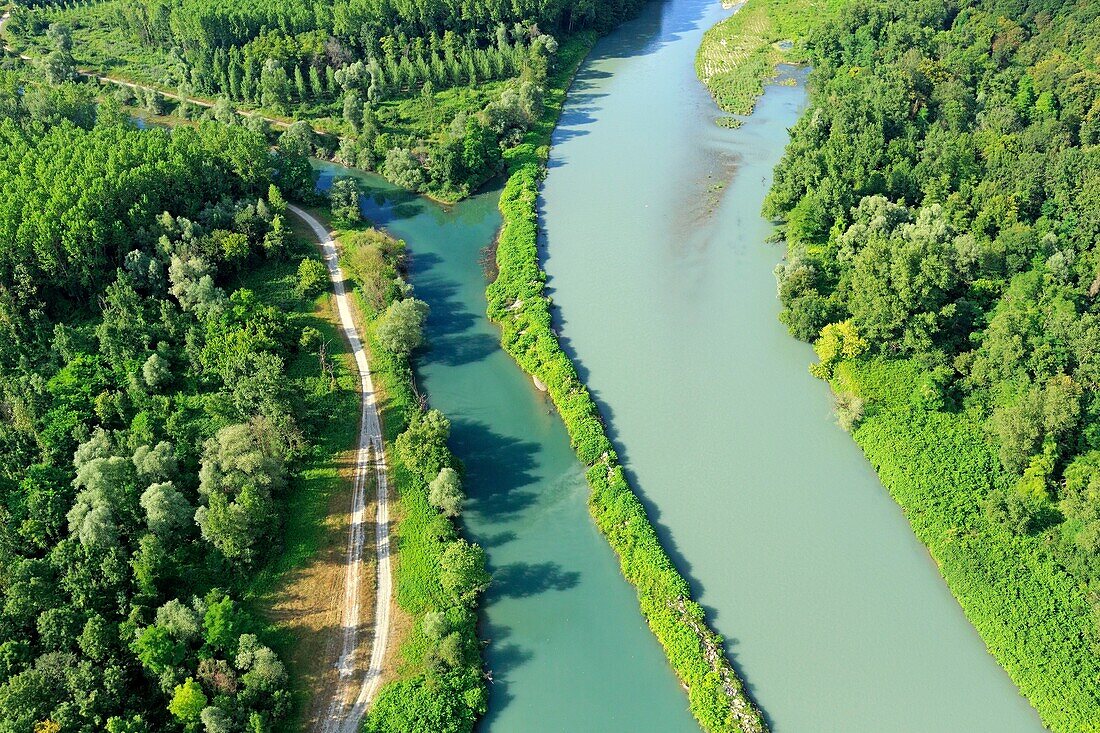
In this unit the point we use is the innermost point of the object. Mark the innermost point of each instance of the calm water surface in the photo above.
(834, 612)
(569, 650)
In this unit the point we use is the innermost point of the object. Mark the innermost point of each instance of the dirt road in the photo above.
(356, 687)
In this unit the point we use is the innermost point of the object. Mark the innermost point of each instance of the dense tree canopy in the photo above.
(426, 92)
(147, 433)
(941, 205)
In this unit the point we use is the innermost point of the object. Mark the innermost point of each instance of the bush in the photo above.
(445, 492)
(404, 169)
(310, 339)
(312, 278)
(401, 328)
(344, 202)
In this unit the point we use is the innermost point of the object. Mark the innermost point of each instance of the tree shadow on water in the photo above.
(524, 579)
(458, 350)
(502, 658)
(498, 539)
(499, 469)
(451, 329)
(502, 661)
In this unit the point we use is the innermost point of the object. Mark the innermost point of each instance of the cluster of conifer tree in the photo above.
(343, 61)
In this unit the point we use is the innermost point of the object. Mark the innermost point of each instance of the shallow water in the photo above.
(834, 612)
(568, 648)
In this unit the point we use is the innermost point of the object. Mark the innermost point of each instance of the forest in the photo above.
(423, 93)
(941, 208)
(167, 397)
(166, 387)
(167, 390)
(155, 417)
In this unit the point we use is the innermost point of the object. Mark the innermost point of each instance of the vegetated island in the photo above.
(517, 302)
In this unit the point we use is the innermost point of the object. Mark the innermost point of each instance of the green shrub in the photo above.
(312, 278)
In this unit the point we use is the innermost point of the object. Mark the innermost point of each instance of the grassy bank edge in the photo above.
(517, 303)
(939, 467)
(739, 55)
(417, 689)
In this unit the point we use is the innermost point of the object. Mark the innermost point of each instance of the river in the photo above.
(569, 650)
(835, 614)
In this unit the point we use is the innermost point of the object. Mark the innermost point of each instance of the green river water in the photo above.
(569, 650)
(835, 614)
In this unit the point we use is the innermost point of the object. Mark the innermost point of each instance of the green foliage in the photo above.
(423, 445)
(242, 473)
(312, 278)
(440, 685)
(373, 259)
(428, 95)
(939, 195)
(462, 571)
(344, 202)
(518, 303)
(188, 702)
(419, 706)
(445, 492)
(404, 169)
(126, 350)
(401, 328)
(837, 341)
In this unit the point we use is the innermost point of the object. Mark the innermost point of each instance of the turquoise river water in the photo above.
(834, 613)
(568, 648)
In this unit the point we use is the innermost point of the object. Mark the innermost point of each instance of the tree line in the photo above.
(376, 73)
(940, 203)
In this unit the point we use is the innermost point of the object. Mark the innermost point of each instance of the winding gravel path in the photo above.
(355, 689)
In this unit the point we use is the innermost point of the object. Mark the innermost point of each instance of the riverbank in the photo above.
(434, 677)
(939, 467)
(517, 302)
(939, 424)
(740, 54)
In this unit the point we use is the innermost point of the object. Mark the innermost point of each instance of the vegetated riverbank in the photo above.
(518, 304)
(437, 683)
(969, 279)
(940, 467)
(740, 54)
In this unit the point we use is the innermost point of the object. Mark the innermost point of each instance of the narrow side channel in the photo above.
(567, 648)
